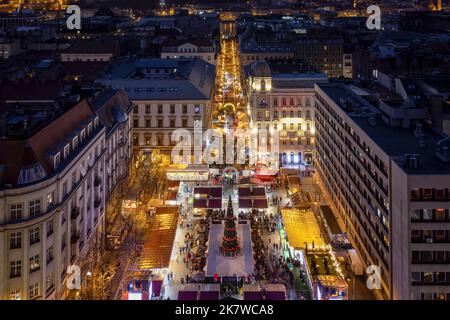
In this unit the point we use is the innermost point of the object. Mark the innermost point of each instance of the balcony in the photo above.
(74, 238)
(97, 202)
(97, 181)
(74, 213)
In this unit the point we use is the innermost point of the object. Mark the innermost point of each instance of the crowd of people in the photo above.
(260, 248)
(215, 214)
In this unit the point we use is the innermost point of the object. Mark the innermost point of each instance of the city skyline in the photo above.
(205, 150)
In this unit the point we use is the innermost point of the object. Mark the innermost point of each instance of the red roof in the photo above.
(31, 151)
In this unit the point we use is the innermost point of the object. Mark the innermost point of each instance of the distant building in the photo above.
(252, 49)
(322, 53)
(90, 51)
(13, 20)
(390, 184)
(200, 49)
(282, 100)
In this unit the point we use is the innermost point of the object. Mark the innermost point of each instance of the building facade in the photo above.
(390, 185)
(200, 49)
(168, 94)
(115, 112)
(324, 54)
(282, 100)
(52, 201)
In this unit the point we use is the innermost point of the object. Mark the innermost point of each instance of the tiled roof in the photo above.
(33, 151)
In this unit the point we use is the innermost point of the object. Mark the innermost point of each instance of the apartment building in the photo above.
(115, 112)
(167, 94)
(323, 53)
(52, 180)
(390, 182)
(282, 100)
(92, 50)
(198, 48)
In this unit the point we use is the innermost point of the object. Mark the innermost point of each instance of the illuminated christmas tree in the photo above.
(230, 244)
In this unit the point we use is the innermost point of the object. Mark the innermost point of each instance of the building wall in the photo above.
(373, 195)
(207, 56)
(323, 54)
(86, 57)
(421, 233)
(153, 129)
(291, 113)
(85, 193)
(360, 195)
(250, 57)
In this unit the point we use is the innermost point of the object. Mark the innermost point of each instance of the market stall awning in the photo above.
(301, 227)
(187, 295)
(244, 192)
(156, 286)
(210, 291)
(201, 190)
(215, 203)
(215, 192)
(209, 295)
(260, 203)
(332, 281)
(294, 180)
(173, 184)
(252, 292)
(259, 191)
(275, 295)
(245, 203)
(330, 220)
(201, 203)
(275, 291)
(170, 195)
(188, 292)
(159, 242)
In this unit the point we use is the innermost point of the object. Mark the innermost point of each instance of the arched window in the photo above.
(263, 85)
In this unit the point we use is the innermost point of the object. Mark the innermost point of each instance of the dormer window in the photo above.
(66, 150)
(83, 134)
(31, 173)
(75, 142)
(89, 128)
(56, 160)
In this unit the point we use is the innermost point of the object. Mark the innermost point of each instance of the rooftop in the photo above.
(382, 134)
(162, 79)
(92, 46)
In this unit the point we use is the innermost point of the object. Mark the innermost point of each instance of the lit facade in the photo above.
(284, 102)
